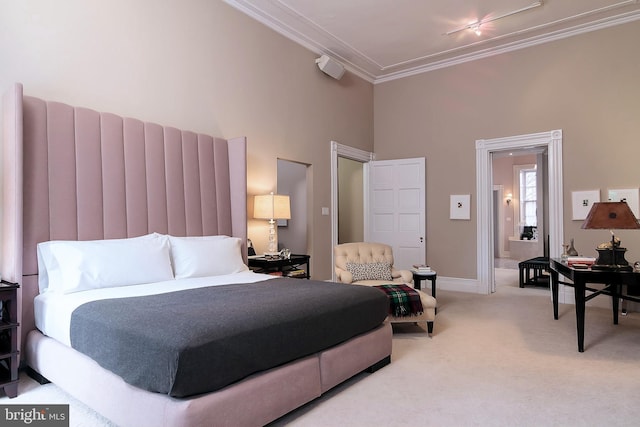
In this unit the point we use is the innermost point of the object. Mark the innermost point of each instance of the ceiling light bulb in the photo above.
(476, 29)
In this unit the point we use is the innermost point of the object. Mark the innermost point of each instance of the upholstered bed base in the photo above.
(254, 401)
(75, 174)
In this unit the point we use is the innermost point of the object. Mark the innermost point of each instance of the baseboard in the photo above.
(457, 284)
(565, 295)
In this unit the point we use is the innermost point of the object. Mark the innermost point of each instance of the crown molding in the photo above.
(321, 42)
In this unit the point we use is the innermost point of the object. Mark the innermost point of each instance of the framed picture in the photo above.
(460, 206)
(581, 201)
(629, 195)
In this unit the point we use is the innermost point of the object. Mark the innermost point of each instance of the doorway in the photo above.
(485, 149)
(350, 200)
(340, 151)
(520, 211)
(292, 182)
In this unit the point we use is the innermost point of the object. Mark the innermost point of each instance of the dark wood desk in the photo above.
(613, 281)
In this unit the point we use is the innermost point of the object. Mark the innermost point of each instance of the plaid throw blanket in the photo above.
(404, 300)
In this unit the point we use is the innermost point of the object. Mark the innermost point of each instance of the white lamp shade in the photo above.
(271, 206)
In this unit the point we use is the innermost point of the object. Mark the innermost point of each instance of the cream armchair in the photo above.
(371, 264)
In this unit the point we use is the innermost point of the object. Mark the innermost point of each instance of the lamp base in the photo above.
(609, 259)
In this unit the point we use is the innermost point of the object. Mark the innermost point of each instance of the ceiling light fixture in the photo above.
(475, 26)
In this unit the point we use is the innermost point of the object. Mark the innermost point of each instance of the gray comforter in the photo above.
(200, 340)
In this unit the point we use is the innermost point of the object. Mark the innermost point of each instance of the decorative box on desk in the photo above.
(295, 266)
(9, 337)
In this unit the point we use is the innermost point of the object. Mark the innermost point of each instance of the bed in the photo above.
(75, 175)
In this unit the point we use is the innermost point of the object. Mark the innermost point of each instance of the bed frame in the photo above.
(76, 174)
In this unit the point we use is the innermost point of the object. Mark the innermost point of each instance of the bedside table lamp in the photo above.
(272, 207)
(612, 216)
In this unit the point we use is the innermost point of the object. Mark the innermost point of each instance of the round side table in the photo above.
(419, 276)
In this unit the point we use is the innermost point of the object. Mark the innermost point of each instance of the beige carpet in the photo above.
(497, 360)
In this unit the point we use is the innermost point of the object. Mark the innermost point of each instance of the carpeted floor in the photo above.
(494, 360)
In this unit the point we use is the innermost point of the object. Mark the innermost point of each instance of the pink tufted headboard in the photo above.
(72, 173)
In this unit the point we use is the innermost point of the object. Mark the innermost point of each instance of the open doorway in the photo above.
(520, 212)
(292, 182)
(340, 152)
(552, 142)
(350, 200)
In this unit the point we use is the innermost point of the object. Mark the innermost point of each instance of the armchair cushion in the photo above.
(369, 271)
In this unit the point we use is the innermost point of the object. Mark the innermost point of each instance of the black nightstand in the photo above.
(291, 267)
(9, 338)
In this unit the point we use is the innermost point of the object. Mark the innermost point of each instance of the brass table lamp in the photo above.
(612, 216)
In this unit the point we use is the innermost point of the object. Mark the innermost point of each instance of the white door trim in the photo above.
(484, 189)
(340, 150)
(500, 217)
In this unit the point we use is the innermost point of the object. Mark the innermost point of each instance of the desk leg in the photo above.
(554, 292)
(417, 282)
(579, 288)
(615, 294)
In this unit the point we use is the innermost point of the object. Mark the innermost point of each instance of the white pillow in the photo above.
(202, 256)
(72, 266)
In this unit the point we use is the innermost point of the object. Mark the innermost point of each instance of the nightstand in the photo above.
(9, 337)
(297, 266)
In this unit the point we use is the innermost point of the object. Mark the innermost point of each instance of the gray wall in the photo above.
(199, 65)
(202, 65)
(586, 85)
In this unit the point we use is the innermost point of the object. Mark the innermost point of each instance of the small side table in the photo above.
(418, 277)
(538, 265)
(282, 266)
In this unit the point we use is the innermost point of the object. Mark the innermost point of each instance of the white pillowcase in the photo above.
(202, 256)
(72, 266)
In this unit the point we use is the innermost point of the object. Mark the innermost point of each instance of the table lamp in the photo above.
(612, 216)
(272, 207)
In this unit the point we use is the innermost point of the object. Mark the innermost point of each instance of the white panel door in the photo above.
(396, 208)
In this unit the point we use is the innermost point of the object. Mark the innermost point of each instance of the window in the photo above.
(528, 197)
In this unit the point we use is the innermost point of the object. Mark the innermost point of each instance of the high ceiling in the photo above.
(382, 40)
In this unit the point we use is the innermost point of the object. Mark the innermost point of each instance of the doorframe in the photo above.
(552, 140)
(340, 150)
(500, 218)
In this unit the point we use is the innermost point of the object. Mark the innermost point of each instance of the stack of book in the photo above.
(421, 268)
(296, 273)
(580, 261)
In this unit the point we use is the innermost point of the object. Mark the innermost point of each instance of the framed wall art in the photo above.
(629, 195)
(581, 202)
(460, 206)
